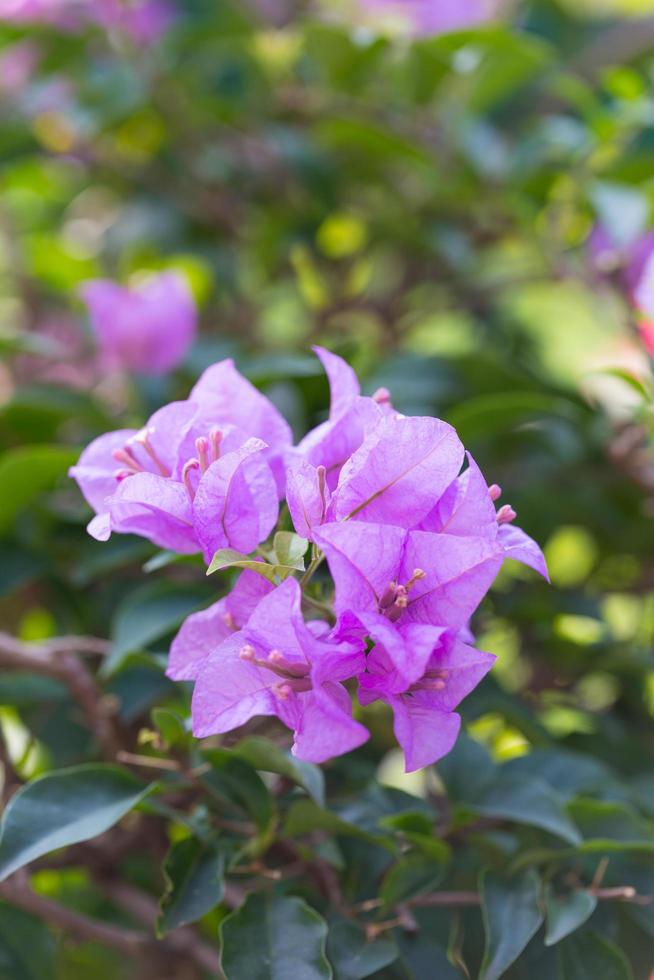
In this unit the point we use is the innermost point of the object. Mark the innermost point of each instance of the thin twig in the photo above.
(55, 659)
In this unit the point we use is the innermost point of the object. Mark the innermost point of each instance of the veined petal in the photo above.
(236, 501)
(333, 442)
(398, 472)
(198, 637)
(156, 508)
(363, 559)
(226, 396)
(307, 500)
(343, 382)
(96, 468)
(458, 573)
(424, 733)
(246, 595)
(401, 654)
(522, 548)
(229, 691)
(325, 727)
(465, 508)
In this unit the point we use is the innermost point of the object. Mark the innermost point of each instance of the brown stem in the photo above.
(55, 659)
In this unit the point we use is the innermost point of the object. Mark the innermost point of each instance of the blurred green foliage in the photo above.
(424, 209)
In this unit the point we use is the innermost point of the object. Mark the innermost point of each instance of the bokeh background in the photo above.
(467, 217)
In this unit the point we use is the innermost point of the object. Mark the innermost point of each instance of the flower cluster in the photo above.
(403, 519)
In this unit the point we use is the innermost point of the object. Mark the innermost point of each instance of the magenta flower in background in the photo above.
(147, 328)
(143, 20)
(429, 17)
(192, 479)
(275, 665)
(17, 65)
(628, 262)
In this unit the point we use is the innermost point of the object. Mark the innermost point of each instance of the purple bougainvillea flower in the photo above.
(408, 576)
(408, 646)
(351, 418)
(147, 328)
(467, 507)
(425, 723)
(192, 479)
(397, 473)
(224, 395)
(428, 17)
(277, 666)
(203, 631)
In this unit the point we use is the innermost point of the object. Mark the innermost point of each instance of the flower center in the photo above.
(294, 676)
(396, 597)
(138, 455)
(432, 680)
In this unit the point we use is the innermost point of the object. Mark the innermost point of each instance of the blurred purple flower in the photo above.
(197, 476)
(17, 65)
(628, 262)
(147, 328)
(429, 17)
(142, 20)
(277, 666)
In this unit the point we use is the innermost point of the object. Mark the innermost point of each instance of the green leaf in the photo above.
(422, 957)
(608, 826)
(171, 726)
(26, 472)
(527, 800)
(351, 953)
(228, 558)
(588, 956)
(273, 937)
(512, 915)
(268, 757)
(237, 782)
(304, 816)
(62, 808)
(289, 549)
(194, 883)
(27, 949)
(147, 615)
(411, 876)
(467, 770)
(565, 915)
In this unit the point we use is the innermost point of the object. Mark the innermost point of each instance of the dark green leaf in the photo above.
(63, 808)
(238, 783)
(146, 615)
(194, 883)
(25, 472)
(274, 938)
(568, 913)
(528, 800)
(352, 955)
(27, 949)
(588, 956)
(512, 915)
(268, 757)
(411, 876)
